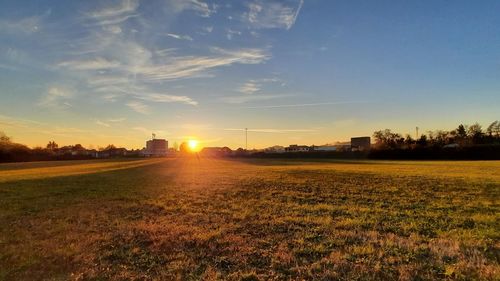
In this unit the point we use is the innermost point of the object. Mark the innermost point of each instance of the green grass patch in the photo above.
(192, 219)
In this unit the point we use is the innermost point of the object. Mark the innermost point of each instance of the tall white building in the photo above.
(156, 147)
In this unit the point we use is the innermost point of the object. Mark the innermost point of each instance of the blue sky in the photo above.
(308, 72)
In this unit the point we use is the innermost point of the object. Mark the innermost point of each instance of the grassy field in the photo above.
(192, 219)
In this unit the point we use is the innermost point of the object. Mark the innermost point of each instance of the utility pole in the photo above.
(417, 132)
(246, 138)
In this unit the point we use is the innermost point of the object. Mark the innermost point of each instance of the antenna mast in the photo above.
(417, 132)
(246, 138)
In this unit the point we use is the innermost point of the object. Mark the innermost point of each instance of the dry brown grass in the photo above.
(192, 219)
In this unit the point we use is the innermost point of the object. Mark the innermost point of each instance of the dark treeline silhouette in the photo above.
(464, 142)
(308, 155)
(15, 152)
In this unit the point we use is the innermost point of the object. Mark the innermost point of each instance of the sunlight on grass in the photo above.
(75, 168)
(195, 218)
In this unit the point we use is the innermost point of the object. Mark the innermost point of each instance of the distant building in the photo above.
(324, 148)
(297, 148)
(360, 143)
(216, 151)
(343, 146)
(156, 147)
(93, 153)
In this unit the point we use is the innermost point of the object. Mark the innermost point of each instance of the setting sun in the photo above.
(193, 145)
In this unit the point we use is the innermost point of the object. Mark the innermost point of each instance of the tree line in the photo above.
(11, 151)
(464, 142)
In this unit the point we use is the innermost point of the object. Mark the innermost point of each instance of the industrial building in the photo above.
(156, 148)
(324, 148)
(360, 143)
(297, 148)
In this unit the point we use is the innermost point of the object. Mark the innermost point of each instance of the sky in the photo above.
(291, 71)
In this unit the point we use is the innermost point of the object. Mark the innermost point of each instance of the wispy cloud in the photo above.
(249, 87)
(230, 33)
(92, 64)
(130, 58)
(100, 123)
(144, 94)
(245, 56)
(276, 131)
(180, 37)
(273, 14)
(208, 29)
(165, 52)
(155, 97)
(115, 14)
(107, 123)
(56, 97)
(255, 85)
(26, 25)
(200, 7)
(9, 121)
(305, 104)
(105, 83)
(138, 107)
(115, 65)
(251, 98)
(196, 66)
(115, 20)
(114, 29)
(116, 120)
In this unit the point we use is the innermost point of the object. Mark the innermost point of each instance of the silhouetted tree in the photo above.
(460, 134)
(409, 141)
(475, 132)
(440, 137)
(494, 129)
(52, 145)
(386, 138)
(422, 141)
(461, 131)
(109, 147)
(78, 147)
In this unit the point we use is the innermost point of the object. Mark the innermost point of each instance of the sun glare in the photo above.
(193, 145)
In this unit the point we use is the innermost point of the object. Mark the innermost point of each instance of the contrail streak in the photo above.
(304, 104)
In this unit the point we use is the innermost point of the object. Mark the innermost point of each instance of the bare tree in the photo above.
(388, 139)
(494, 129)
(475, 133)
(52, 145)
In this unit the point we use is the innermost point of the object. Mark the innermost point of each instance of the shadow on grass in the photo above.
(300, 161)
